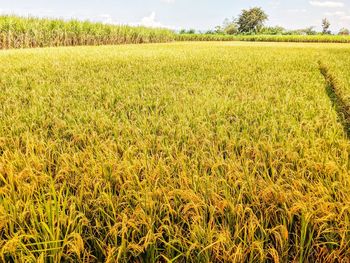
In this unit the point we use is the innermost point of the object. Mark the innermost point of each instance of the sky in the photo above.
(177, 14)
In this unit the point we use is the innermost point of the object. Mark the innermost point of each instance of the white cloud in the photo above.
(339, 17)
(150, 21)
(42, 12)
(168, 1)
(327, 3)
(296, 10)
(275, 3)
(337, 13)
(106, 19)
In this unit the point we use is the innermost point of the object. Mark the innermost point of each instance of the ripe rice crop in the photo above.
(337, 63)
(266, 38)
(19, 32)
(180, 152)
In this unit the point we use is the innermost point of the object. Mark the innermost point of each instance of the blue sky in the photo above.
(177, 14)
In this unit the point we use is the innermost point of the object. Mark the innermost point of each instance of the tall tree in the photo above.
(325, 26)
(251, 20)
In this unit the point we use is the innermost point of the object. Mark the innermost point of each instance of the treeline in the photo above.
(252, 22)
(19, 32)
(266, 30)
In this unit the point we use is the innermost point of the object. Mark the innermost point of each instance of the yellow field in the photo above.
(181, 152)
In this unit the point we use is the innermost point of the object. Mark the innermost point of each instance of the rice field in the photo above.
(177, 152)
(338, 65)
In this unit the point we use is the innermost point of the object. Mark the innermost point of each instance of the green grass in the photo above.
(20, 32)
(181, 152)
(266, 38)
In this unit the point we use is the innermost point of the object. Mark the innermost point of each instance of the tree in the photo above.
(230, 27)
(190, 31)
(325, 26)
(344, 32)
(251, 20)
(219, 30)
(273, 30)
(309, 31)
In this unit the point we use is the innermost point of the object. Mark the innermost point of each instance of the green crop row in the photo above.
(18, 32)
(265, 38)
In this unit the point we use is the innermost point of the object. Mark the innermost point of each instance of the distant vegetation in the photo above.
(18, 32)
(30, 32)
(265, 38)
(252, 22)
(344, 32)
